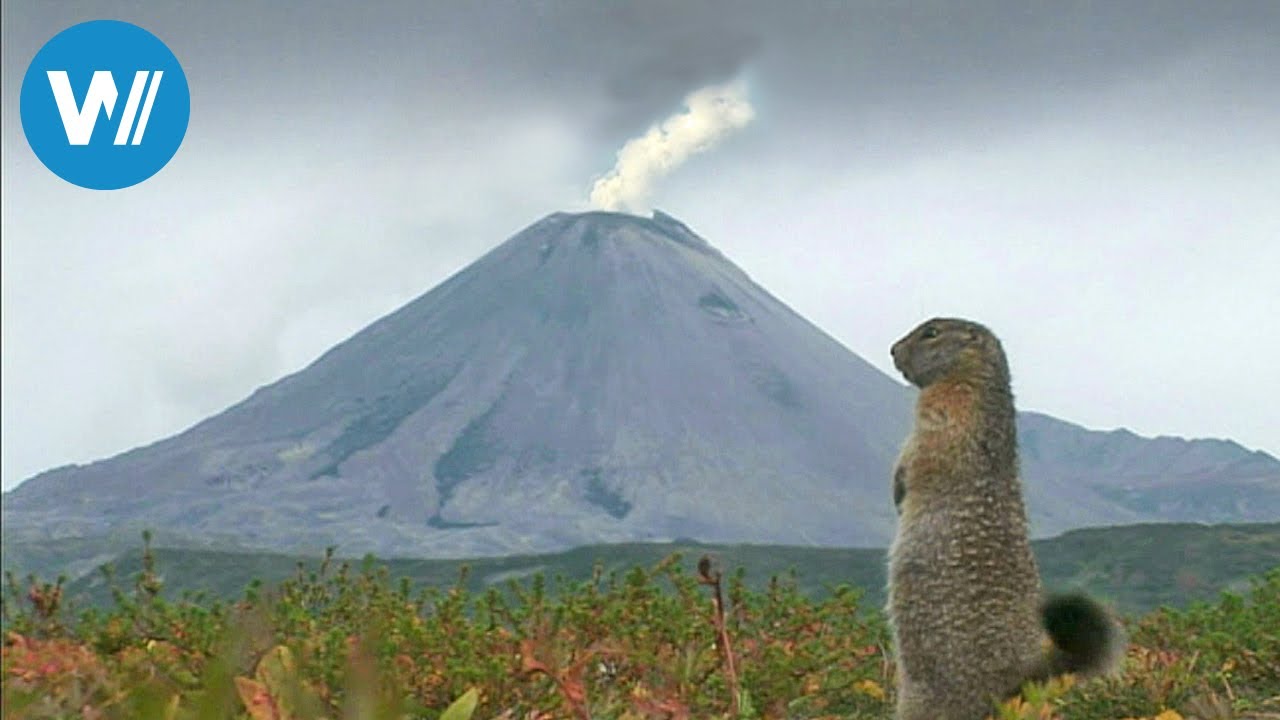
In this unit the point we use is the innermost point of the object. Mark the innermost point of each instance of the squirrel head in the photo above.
(949, 347)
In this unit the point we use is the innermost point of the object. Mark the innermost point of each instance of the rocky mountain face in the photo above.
(598, 377)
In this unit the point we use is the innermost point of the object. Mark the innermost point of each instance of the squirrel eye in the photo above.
(929, 332)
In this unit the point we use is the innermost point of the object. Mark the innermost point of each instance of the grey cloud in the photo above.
(620, 66)
(844, 60)
(343, 158)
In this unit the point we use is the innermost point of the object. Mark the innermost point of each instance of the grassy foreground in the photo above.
(662, 641)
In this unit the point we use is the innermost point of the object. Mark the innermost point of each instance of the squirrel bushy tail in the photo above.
(1086, 640)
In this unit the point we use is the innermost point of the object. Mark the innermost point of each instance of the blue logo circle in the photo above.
(105, 104)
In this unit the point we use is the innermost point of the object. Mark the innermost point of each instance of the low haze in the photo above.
(1095, 182)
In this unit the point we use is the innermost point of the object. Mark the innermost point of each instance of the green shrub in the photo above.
(344, 641)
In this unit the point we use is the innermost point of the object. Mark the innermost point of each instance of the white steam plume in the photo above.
(710, 114)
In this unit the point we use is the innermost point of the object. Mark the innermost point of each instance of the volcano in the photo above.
(598, 377)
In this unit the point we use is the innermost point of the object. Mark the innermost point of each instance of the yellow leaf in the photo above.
(277, 672)
(1169, 715)
(463, 707)
(870, 688)
(275, 667)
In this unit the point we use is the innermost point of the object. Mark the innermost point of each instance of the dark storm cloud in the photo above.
(640, 60)
(840, 60)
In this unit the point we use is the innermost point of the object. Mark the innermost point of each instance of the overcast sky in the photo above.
(1098, 182)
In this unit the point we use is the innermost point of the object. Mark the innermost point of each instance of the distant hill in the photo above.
(1135, 567)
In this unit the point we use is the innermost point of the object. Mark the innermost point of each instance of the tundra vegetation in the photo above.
(677, 639)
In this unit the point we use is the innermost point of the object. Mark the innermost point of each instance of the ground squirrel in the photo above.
(964, 593)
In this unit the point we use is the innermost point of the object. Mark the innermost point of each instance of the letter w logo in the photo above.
(102, 95)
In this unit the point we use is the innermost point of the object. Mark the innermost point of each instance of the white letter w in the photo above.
(79, 122)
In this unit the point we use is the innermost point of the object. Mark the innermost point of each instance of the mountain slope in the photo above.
(596, 378)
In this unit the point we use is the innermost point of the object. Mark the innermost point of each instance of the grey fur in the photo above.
(964, 590)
